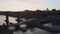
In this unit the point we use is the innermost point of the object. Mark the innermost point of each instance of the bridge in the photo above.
(28, 22)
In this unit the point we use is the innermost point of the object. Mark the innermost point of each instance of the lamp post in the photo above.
(18, 17)
(7, 18)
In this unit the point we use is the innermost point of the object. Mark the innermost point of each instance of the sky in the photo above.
(20, 5)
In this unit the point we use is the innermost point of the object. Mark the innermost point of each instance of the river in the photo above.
(35, 31)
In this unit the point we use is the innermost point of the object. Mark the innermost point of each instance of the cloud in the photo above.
(28, 4)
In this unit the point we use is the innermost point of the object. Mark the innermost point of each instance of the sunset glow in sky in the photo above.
(19, 5)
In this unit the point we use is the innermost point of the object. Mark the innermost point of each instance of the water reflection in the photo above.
(2, 18)
(11, 19)
(35, 31)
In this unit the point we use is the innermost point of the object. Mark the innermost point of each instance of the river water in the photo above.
(35, 31)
